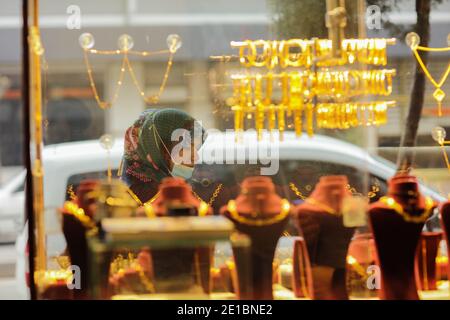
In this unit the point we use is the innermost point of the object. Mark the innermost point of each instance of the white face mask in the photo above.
(182, 171)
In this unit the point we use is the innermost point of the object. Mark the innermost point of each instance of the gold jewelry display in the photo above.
(148, 208)
(374, 189)
(119, 265)
(312, 89)
(126, 43)
(202, 210)
(297, 192)
(397, 207)
(72, 208)
(300, 52)
(285, 209)
(413, 40)
(212, 198)
(354, 114)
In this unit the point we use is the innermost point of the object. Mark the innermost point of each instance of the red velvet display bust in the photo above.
(262, 215)
(445, 222)
(396, 232)
(426, 268)
(174, 195)
(175, 198)
(74, 231)
(320, 222)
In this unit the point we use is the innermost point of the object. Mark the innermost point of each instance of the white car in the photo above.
(67, 164)
(12, 203)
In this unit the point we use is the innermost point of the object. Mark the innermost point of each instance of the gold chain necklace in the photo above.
(296, 191)
(285, 209)
(126, 43)
(413, 40)
(150, 212)
(397, 207)
(212, 198)
(299, 194)
(371, 194)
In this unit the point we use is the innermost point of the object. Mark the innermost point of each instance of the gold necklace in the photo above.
(413, 40)
(73, 209)
(125, 50)
(312, 201)
(371, 194)
(285, 209)
(398, 208)
(150, 212)
(148, 208)
(212, 198)
(296, 191)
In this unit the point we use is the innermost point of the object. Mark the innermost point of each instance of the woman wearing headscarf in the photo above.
(161, 143)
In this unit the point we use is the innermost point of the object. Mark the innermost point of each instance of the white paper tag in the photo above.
(354, 211)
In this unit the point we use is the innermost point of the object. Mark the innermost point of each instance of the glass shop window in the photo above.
(69, 112)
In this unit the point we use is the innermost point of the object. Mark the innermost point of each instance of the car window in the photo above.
(20, 187)
(295, 179)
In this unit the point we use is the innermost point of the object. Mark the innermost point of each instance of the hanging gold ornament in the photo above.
(316, 91)
(413, 40)
(125, 44)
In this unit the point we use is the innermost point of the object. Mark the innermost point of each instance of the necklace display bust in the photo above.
(397, 222)
(445, 222)
(319, 220)
(175, 198)
(262, 215)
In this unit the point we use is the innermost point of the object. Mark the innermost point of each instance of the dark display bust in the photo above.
(397, 222)
(320, 222)
(445, 222)
(262, 215)
(426, 267)
(175, 198)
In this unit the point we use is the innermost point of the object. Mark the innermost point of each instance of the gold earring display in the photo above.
(125, 43)
(413, 40)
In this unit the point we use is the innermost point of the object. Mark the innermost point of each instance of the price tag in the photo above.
(354, 211)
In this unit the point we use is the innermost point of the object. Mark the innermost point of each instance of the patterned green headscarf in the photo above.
(146, 142)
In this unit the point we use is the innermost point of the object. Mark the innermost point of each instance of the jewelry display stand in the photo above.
(361, 258)
(320, 221)
(397, 222)
(445, 222)
(426, 268)
(77, 220)
(176, 199)
(262, 215)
